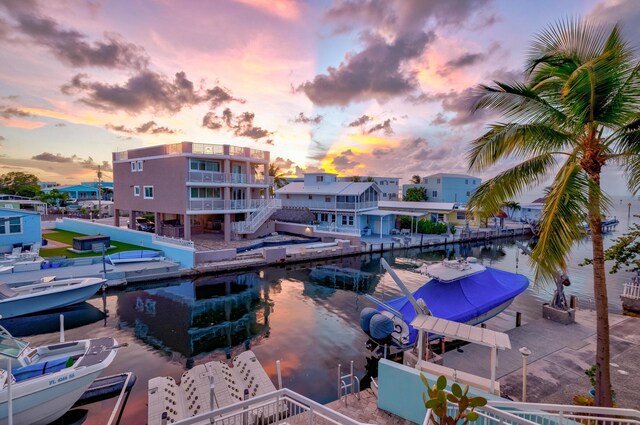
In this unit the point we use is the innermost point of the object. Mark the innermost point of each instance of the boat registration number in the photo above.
(61, 379)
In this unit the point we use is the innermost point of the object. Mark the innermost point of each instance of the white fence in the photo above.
(632, 289)
(279, 407)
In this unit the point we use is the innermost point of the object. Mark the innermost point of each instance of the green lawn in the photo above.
(67, 238)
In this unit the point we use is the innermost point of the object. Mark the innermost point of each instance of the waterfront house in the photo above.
(208, 190)
(444, 187)
(446, 212)
(527, 213)
(18, 228)
(76, 192)
(22, 203)
(389, 186)
(342, 206)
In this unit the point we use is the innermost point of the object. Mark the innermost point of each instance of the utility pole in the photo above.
(99, 192)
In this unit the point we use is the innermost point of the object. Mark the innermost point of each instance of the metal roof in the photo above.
(383, 213)
(422, 206)
(461, 331)
(333, 188)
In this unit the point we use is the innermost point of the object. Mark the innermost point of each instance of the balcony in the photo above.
(227, 178)
(224, 204)
(207, 149)
(319, 205)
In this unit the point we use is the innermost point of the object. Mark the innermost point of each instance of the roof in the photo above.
(18, 211)
(461, 331)
(333, 188)
(71, 187)
(422, 206)
(384, 213)
(463, 176)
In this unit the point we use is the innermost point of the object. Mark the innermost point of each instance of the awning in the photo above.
(384, 213)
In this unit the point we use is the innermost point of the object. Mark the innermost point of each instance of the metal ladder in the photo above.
(347, 384)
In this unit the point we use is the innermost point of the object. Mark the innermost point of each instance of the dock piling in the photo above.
(518, 319)
(62, 328)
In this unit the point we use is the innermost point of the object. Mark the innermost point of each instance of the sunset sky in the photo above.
(378, 87)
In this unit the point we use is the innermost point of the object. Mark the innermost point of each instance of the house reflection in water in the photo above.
(199, 316)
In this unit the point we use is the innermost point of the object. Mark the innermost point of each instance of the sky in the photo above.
(356, 87)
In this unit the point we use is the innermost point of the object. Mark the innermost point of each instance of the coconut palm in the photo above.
(511, 206)
(576, 112)
(278, 178)
(416, 179)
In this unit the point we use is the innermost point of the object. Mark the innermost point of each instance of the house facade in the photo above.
(77, 192)
(389, 186)
(447, 212)
(338, 205)
(18, 228)
(194, 188)
(443, 187)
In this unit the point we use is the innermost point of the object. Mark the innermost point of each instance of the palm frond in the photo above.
(491, 195)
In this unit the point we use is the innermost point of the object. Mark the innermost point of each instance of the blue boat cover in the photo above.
(465, 299)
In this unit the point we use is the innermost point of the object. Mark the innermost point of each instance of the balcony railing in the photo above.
(236, 151)
(224, 204)
(319, 205)
(233, 178)
(207, 149)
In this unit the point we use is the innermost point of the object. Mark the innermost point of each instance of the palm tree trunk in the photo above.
(603, 372)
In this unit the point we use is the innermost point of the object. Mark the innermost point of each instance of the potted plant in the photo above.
(438, 398)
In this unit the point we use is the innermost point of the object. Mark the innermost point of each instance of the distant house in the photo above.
(528, 212)
(389, 186)
(46, 185)
(447, 212)
(78, 192)
(18, 228)
(22, 203)
(444, 187)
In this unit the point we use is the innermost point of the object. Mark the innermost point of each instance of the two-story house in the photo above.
(194, 188)
(389, 186)
(444, 187)
(339, 205)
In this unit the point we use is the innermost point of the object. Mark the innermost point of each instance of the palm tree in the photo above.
(576, 112)
(416, 179)
(356, 179)
(512, 206)
(278, 178)
(369, 179)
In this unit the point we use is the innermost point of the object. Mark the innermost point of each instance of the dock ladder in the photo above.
(348, 384)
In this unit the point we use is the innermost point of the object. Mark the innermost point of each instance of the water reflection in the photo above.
(75, 316)
(198, 316)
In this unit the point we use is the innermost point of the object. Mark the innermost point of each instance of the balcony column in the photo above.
(116, 217)
(158, 223)
(227, 227)
(132, 219)
(187, 227)
(249, 175)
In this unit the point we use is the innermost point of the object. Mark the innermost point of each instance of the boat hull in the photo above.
(48, 300)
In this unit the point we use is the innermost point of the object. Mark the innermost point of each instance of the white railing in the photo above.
(207, 149)
(632, 289)
(222, 204)
(332, 205)
(278, 407)
(337, 229)
(215, 177)
(266, 207)
(509, 412)
(174, 241)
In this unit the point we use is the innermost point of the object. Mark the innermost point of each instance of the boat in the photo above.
(135, 256)
(458, 290)
(42, 296)
(46, 381)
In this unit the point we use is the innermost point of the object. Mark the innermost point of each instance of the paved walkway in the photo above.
(366, 410)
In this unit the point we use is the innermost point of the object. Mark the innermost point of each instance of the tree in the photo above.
(625, 252)
(19, 183)
(54, 197)
(416, 179)
(576, 111)
(355, 179)
(416, 194)
(278, 178)
(369, 179)
(512, 206)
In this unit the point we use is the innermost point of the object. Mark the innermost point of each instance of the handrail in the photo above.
(539, 408)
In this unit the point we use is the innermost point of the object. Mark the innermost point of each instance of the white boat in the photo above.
(48, 380)
(42, 296)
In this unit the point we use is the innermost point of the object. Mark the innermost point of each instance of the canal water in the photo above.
(305, 315)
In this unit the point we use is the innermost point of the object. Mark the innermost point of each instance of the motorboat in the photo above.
(135, 256)
(42, 296)
(43, 383)
(458, 290)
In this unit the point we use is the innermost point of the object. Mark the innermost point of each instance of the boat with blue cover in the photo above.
(459, 290)
(135, 256)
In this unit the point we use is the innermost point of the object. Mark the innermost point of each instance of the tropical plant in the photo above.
(438, 398)
(19, 183)
(369, 179)
(416, 179)
(356, 179)
(576, 112)
(512, 206)
(278, 178)
(431, 227)
(625, 252)
(415, 194)
(54, 197)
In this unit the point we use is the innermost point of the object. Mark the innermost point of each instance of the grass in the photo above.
(66, 237)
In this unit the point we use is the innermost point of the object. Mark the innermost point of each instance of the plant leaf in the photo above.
(477, 402)
(456, 390)
(472, 416)
(452, 398)
(463, 403)
(442, 383)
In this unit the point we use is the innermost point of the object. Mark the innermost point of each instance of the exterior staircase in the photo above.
(265, 208)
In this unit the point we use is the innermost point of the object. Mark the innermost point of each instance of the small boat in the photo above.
(135, 256)
(42, 296)
(458, 290)
(46, 381)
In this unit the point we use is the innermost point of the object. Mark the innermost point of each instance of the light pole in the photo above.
(525, 353)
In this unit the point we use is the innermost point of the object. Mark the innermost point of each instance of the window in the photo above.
(202, 165)
(466, 181)
(324, 217)
(310, 197)
(474, 182)
(461, 216)
(434, 193)
(384, 195)
(148, 192)
(12, 225)
(205, 192)
(468, 193)
(438, 182)
(319, 179)
(139, 165)
(288, 197)
(136, 190)
(327, 199)
(347, 220)
(133, 167)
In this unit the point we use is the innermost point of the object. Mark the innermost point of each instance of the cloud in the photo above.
(88, 163)
(342, 163)
(374, 73)
(360, 121)
(2, 138)
(624, 12)
(385, 126)
(149, 127)
(146, 90)
(71, 47)
(9, 112)
(303, 119)
(242, 124)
